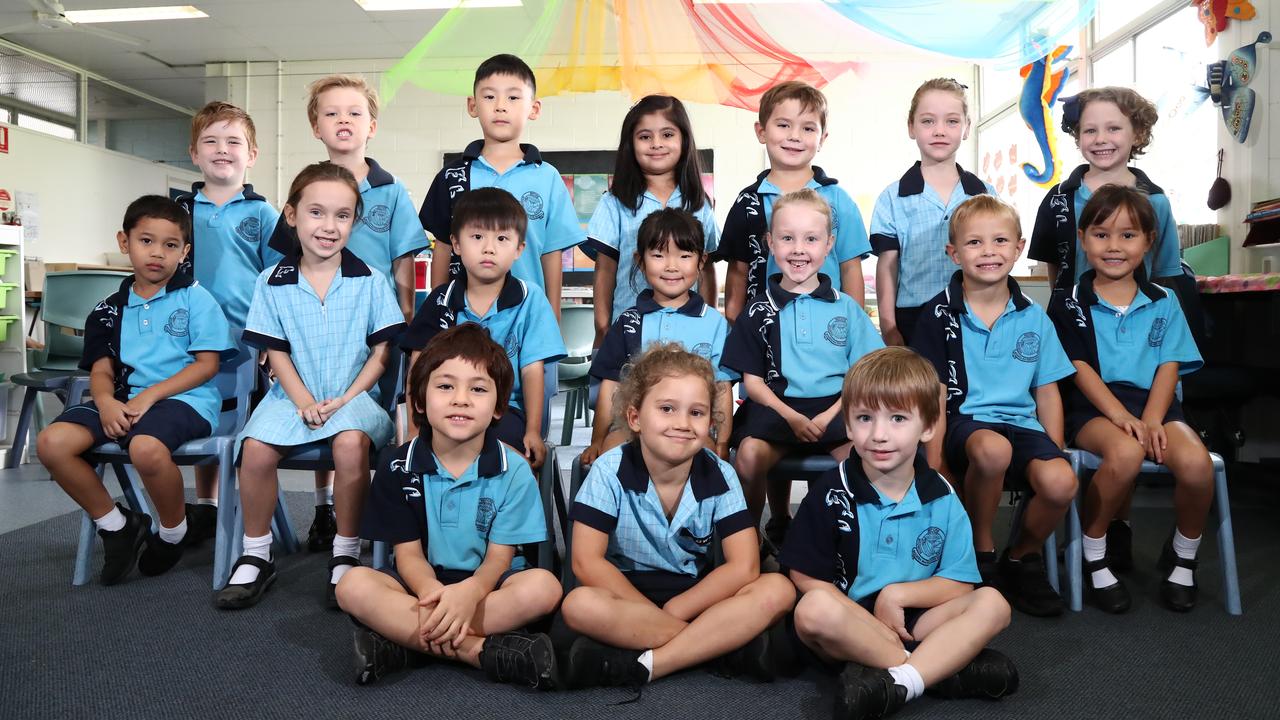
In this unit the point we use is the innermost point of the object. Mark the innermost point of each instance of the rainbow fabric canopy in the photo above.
(717, 53)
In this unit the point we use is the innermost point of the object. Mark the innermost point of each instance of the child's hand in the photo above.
(889, 611)
(1134, 427)
(591, 453)
(138, 406)
(328, 407)
(534, 449)
(455, 605)
(312, 416)
(1157, 441)
(803, 427)
(892, 336)
(115, 422)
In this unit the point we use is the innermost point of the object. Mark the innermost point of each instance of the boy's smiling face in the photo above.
(799, 239)
(223, 153)
(986, 247)
(792, 136)
(460, 400)
(503, 104)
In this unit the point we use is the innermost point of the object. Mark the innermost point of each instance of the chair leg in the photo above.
(1226, 538)
(379, 554)
(14, 458)
(134, 495)
(1051, 560)
(566, 427)
(228, 503)
(282, 528)
(586, 407)
(84, 548)
(1074, 559)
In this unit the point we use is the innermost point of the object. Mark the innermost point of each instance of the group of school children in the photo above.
(888, 572)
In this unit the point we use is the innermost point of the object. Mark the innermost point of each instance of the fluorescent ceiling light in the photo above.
(135, 14)
(381, 5)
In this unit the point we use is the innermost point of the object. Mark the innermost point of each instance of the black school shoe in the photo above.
(120, 548)
(1113, 598)
(323, 528)
(238, 597)
(989, 676)
(594, 664)
(863, 692)
(202, 524)
(1179, 598)
(331, 588)
(775, 530)
(755, 660)
(1027, 588)
(988, 568)
(377, 657)
(1120, 546)
(159, 556)
(517, 658)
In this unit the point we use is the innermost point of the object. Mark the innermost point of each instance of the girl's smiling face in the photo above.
(323, 218)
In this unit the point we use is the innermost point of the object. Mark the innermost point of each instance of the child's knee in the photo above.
(1125, 458)
(993, 607)
(540, 592)
(351, 448)
(52, 445)
(773, 593)
(353, 586)
(1192, 468)
(989, 453)
(1054, 482)
(581, 609)
(149, 455)
(817, 614)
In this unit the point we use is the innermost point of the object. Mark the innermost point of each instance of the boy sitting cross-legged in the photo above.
(882, 554)
(456, 504)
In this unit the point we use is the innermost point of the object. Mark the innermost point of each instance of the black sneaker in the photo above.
(1120, 546)
(120, 548)
(518, 658)
(864, 692)
(1179, 598)
(202, 524)
(754, 660)
(375, 656)
(990, 676)
(1027, 587)
(988, 568)
(323, 528)
(159, 556)
(775, 530)
(594, 664)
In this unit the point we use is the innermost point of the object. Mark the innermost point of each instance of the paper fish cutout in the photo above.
(1040, 89)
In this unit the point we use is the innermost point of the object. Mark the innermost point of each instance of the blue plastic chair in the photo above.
(1086, 462)
(577, 329)
(235, 382)
(69, 297)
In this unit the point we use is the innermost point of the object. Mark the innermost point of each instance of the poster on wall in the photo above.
(28, 206)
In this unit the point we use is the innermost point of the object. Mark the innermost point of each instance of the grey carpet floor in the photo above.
(156, 648)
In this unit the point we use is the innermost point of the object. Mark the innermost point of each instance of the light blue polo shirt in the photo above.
(695, 325)
(849, 534)
(230, 246)
(1004, 364)
(388, 228)
(521, 321)
(911, 218)
(152, 339)
(495, 500)
(619, 499)
(613, 231)
(553, 223)
(1131, 345)
(1166, 258)
(816, 337)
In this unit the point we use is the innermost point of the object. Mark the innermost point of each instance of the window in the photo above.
(1113, 15)
(31, 122)
(1114, 68)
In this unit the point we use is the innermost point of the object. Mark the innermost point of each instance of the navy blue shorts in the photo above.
(910, 617)
(1134, 400)
(757, 421)
(908, 318)
(451, 577)
(1027, 445)
(170, 421)
(658, 586)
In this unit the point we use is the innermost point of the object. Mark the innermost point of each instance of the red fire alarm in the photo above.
(4, 140)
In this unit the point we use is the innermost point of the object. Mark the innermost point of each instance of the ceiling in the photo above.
(170, 62)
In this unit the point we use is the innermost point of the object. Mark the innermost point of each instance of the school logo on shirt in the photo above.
(702, 350)
(248, 228)
(1155, 338)
(512, 346)
(699, 541)
(928, 546)
(837, 331)
(485, 512)
(378, 218)
(532, 203)
(178, 322)
(1027, 349)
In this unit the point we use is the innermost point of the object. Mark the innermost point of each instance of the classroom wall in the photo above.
(82, 189)
(867, 148)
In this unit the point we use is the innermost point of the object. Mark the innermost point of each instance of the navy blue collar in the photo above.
(377, 177)
(286, 272)
(248, 191)
(705, 477)
(1141, 181)
(819, 176)
(955, 293)
(694, 307)
(1086, 296)
(177, 282)
(912, 182)
(475, 150)
(780, 298)
(929, 484)
(512, 293)
(492, 462)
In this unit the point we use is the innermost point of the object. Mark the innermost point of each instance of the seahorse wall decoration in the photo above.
(1043, 82)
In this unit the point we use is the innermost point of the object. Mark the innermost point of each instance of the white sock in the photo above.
(343, 545)
(1185, 548)
(173, 535)
(909, 678)
(646, 659)
(259, 547)
(207, 501)
(324, 495)
(1096, 549)
(111, 522)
